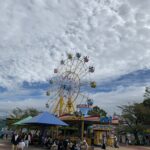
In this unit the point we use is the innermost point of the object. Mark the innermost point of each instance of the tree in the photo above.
(137, 116)
(146, 101)
(133, 119)
(146, 104)
(147, 93)
(18, 114)
(30, 112)
(97, 111)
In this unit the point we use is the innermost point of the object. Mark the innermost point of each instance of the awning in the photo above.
(46, 118)
(21, 122)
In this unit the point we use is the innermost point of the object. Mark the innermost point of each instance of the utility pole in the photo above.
(82, 127)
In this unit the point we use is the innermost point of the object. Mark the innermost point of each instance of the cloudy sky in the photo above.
(36, 34)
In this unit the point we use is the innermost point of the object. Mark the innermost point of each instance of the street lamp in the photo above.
(81, 118)
(82, 127)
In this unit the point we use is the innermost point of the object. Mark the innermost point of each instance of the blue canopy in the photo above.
(46, 118)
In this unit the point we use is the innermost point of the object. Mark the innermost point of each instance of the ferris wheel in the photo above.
(70, 79)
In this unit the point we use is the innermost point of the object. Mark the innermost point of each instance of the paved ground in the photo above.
(5, 145)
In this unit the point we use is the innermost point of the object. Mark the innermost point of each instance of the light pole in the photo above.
(80, 116)
(82, 127)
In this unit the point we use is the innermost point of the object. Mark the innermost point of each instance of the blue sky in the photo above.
(37, 90)
(37, 34)
(136, 78)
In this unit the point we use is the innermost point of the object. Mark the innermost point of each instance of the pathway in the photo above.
(5, 145)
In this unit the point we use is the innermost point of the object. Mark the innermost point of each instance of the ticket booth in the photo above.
(103, 130)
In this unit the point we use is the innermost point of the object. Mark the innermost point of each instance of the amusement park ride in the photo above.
(68, 91)
(68, 83)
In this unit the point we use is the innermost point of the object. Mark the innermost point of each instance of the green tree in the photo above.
(147, 93)
(137, 116)
(18, 114)
(146, 104)
(133, 120)
(146, 101)
(97, 111)
(30, 112)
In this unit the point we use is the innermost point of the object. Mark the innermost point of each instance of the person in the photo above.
(60, 145)
(74, 146)
(104, 142)
(26, 140)
(65, 144)
(127, 141)
(116, 142)
(30, 138)
(84, 145)
(14, 141)
(143, 140)
(92, 142)
(70, 144)
(6, 136)
(21, 144)
(49, 142)
(78, 144)
(54, 146)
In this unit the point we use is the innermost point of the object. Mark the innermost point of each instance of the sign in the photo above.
(82, 106)
(106, 119)
(102, 127)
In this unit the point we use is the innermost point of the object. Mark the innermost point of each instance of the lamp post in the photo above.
(80, 116)
(82, 127)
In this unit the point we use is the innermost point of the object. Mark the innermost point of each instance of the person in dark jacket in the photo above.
(65, 143)
(104, 140)
(15, 141)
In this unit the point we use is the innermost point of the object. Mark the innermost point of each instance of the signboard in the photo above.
(82, 106)
(102, 127)
(106, 119)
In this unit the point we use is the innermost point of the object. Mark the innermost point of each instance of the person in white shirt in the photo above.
(21, 145)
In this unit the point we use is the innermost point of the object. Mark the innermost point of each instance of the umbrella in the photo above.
(46, 118)
(21, 122)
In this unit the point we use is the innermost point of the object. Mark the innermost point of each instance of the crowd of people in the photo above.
(23, 140)
(20, 141)
(65, 144)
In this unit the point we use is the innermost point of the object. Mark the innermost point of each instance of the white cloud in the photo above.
(35, 34)
(122, 96)
(108, 101)
(8, 106)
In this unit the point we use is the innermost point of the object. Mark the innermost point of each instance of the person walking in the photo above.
(116, 142)
(104, 140)
(84, 145)
(6, 136)
(14, 141)
(21, 143)
(127, 141)
(26, 140)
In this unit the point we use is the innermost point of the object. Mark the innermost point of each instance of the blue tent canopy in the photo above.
(46, 118)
